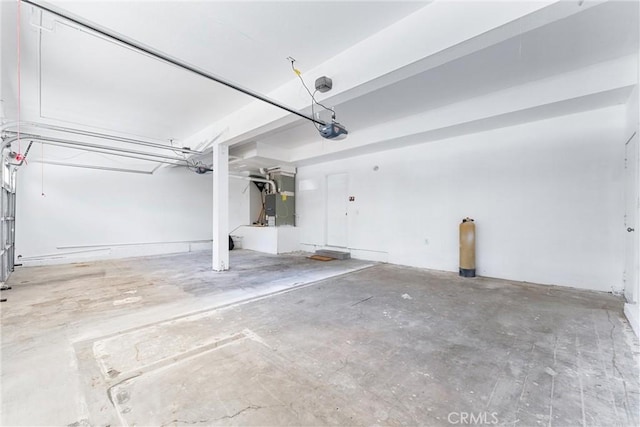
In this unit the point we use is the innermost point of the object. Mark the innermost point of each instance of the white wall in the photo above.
(7, 56)
(255, 203)
(239, 203)
(271, 240)
(547, 198)
(92, 214)
(632, 131)
(632, 290)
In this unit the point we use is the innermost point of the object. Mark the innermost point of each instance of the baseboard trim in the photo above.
(114, 252)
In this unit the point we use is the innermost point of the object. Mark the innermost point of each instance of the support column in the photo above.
(220, 207)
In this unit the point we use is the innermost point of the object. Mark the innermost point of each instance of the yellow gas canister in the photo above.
(468, 248)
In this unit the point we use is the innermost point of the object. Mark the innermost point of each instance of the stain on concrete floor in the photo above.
(385, 345)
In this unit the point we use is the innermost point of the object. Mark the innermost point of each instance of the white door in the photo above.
(337, 198)
(632, 204)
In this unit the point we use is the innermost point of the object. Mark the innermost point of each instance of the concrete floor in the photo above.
(164, 341)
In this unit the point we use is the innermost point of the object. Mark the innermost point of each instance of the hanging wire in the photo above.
(314, 102)
(196, 167)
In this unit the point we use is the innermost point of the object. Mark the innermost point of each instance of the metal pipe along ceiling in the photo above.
(102, 136)
(254, 179)
(103, 168)
(91, 150)
(164, 57)
(7, 143)
(25, 136)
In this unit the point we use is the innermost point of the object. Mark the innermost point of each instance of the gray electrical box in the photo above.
(282, 208)
(324, 84)
(285, 183)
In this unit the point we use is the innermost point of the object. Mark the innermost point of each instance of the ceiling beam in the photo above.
(439, 33)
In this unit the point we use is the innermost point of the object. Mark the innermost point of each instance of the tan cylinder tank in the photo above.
(468, 248)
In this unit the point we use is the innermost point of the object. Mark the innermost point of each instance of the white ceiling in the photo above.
(87, 79)
(599, 34)
(246, 41)
(74, 78)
